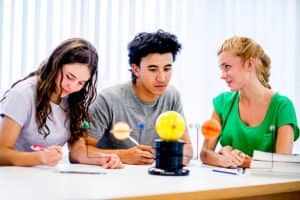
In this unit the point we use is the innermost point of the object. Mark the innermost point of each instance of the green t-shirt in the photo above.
(237, 134)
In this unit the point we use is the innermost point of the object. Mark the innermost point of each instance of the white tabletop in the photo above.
(131, 181)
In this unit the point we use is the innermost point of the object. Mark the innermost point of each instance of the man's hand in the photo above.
(138, 155)
(187, 154)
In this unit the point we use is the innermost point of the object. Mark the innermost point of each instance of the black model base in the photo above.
(168, 159)
(162, 172)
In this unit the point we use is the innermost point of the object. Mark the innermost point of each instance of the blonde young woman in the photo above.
(253, 117)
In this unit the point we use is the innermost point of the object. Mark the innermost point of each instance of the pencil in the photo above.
(224, 172)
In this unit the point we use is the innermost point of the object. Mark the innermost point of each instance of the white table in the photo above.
(134, 182)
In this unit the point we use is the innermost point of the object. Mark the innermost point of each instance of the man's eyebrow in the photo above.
(152, 66)
(167, 65)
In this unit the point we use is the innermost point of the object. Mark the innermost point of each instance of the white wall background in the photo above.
(30, 29)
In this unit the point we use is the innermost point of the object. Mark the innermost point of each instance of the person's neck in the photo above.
(255, 93)
(142, 94)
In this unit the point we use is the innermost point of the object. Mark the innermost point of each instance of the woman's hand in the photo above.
(233, 158)
(51, 156)
(247, 162)
(86, 154)
(112, 161)
(108, 161)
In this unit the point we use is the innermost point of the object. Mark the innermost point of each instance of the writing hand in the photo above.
(138, 155)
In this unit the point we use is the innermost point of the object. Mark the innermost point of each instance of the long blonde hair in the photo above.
(246, 48)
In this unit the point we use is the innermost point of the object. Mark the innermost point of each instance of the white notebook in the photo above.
(75, 168)
(79, 169)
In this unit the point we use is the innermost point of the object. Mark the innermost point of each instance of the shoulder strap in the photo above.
(229, 111)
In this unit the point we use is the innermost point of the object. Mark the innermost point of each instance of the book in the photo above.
(274, 162)
(266, 156)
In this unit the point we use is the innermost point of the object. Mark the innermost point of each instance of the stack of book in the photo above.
(274, 162)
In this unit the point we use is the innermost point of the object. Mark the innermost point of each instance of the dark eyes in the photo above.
(168, 69)
(227, 67)
(152, 69)
(165, 69)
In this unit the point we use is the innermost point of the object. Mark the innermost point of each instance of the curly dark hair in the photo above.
(147, 43)
(74, 50)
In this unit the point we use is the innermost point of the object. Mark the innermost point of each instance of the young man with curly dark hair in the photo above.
(140, 101)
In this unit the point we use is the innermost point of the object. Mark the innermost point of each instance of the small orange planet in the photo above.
(211, 128)
(121, 130)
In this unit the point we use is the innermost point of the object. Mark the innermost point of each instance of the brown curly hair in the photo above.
(75, 50)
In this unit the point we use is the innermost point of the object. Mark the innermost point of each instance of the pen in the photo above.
(37, 147)
(197, 126)
(241, 170)
(133, 140)
(224, 172)
(141, 127)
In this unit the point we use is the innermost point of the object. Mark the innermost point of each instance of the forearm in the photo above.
(13, 157)
(82, 152)
(188, 150)
(208, 154)
(122, 153)
(94, 151)
(135, 155)
(210, 157)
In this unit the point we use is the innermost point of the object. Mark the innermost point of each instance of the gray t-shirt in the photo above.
(120, 103)
(19, 105)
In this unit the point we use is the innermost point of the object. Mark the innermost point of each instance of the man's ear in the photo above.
(135, 69)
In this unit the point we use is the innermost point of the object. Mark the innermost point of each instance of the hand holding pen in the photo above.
(138, 154)
(48, 156)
